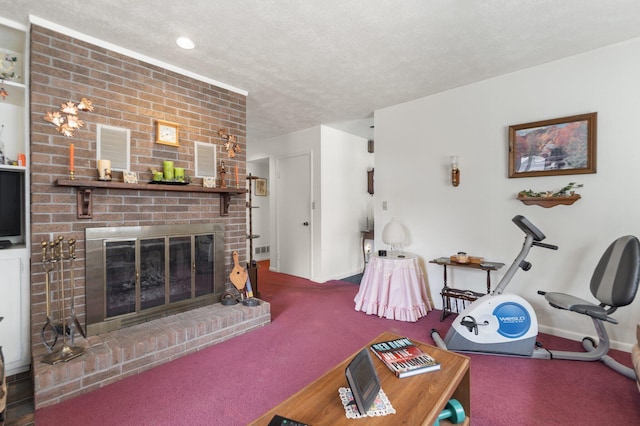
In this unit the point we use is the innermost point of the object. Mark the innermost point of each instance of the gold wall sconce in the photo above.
(455, 171)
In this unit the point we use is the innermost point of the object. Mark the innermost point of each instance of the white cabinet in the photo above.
(14, 307)
(15, 329)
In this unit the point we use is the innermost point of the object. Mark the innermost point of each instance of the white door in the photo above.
(294, 215)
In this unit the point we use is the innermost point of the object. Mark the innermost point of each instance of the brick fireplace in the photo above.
(131, 94)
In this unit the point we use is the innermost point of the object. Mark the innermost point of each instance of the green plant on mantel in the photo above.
(565, 191)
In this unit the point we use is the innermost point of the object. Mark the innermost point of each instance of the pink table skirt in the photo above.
(393, 288)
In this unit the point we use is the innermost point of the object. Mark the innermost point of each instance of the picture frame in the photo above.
(560, 146)
(261, 187)
(129, 177)
(167, 133)
(209, 182)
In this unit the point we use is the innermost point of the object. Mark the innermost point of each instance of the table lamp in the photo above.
(393, 234)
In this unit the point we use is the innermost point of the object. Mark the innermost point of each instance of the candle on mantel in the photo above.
(237, 179)
(71, 158)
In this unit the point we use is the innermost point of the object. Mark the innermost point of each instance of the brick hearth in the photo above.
(113, 356)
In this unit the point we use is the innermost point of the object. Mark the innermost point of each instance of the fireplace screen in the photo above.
(139, 273)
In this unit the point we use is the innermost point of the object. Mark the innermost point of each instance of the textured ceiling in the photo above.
(336, 61)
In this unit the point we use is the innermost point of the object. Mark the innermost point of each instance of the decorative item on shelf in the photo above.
(393, 234)
(209, 182)
(222, 171)
(170, 175)
(72, 159)
(178, 173)
(231, 145)
(129, 176)
(565, 195)
(455, 171)
(66, 119)
(6, 72)
(156, 175)
(167, 169)
(462, 257)
(7, 66)
(104, 170)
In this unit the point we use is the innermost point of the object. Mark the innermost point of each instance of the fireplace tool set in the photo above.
(53, 261)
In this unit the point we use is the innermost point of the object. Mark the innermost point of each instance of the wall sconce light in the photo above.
(455, 171)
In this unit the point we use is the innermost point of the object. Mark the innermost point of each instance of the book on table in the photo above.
(404, 358)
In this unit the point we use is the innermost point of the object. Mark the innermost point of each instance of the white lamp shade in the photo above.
(393, 233)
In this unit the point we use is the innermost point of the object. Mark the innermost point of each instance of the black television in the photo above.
(363, 380)
(11, 206)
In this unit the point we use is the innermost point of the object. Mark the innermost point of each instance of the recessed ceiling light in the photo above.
(185, 43)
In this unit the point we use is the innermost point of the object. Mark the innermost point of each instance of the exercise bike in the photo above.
(506, 324)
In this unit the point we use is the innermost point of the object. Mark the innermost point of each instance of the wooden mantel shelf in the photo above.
(85, 187)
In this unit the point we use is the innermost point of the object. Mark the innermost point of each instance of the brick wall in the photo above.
(132, 94)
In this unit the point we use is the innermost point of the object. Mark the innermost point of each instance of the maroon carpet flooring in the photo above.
(314, 327)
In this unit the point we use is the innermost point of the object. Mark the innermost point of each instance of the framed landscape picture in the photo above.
(261, 187)
(561, 146)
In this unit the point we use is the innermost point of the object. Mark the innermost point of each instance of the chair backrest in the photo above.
(615, 280)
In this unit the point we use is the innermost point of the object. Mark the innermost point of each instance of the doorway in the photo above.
(293, 213)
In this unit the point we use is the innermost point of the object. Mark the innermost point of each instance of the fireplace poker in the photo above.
(48, 325)
(72, 283)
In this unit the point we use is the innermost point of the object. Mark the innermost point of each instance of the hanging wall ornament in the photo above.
(231, 145)
(66, 119)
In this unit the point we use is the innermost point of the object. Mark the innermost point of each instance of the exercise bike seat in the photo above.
(614, 282)
(576, 304)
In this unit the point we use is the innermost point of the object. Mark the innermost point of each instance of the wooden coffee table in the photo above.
(418, 400)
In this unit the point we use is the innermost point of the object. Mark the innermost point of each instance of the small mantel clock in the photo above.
(167, 133)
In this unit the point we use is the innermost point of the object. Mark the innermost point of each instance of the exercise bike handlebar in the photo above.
(544, 245)
(532, 238)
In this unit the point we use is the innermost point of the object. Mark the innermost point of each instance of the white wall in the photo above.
(339, 163)
(344, 163)
(413, 144)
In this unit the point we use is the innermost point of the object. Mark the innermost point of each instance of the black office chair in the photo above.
(614, 283)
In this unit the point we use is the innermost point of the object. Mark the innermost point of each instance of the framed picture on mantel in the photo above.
(561, 146)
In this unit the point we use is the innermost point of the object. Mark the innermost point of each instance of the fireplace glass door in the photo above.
(204, 253)
(120, 277)
(179, 268)
(152, 272)
(135, 274)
